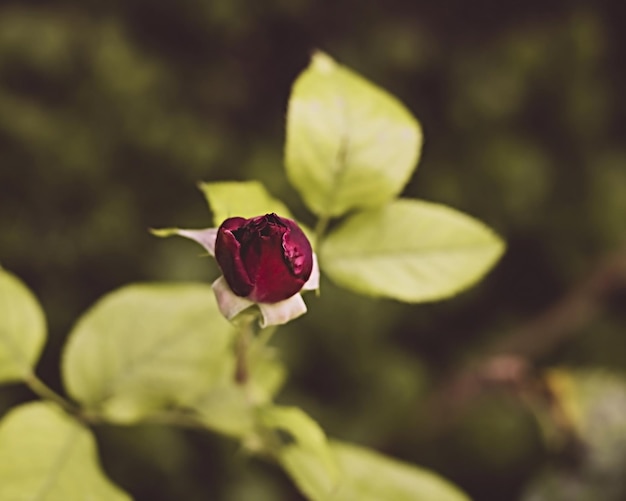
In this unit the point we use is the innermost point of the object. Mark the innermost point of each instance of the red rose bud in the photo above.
(265, 259)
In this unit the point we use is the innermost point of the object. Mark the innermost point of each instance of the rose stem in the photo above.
(242, 344)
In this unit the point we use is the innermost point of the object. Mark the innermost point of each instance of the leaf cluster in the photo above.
(162, 352)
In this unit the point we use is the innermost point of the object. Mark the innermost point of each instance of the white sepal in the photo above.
(313, 283)
(206, 238)
(283, 311)
(229, 303)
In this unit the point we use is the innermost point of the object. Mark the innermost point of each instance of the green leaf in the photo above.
(370, 476)
(22, 329)
(46, 455)
(308, 460)
(230, 408)
(336, 471)
(349, 143)
(146, 347)
(244, 199)
(410, 250)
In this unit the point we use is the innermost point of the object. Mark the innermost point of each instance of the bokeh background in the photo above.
(110, 112)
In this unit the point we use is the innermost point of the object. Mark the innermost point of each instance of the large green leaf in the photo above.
(22, 329)
(410, 250)
(308, 459)
(370, 476)
(147, 347)
(45, 455)
(336, 471)
(243, 199)
(349, 143)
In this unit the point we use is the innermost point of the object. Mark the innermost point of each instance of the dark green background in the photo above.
(111, 112)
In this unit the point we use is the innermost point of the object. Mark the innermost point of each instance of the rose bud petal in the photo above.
(265, 259)
(231, 304)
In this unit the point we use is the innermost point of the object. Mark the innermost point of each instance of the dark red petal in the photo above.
(266, 258)
(233, 223)
(274, 280)
(228, 257)
(256, 231)
(286, 261)
(297, 251)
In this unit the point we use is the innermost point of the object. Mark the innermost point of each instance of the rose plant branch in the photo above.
(509, 362)
(580, 305)
(243, 340)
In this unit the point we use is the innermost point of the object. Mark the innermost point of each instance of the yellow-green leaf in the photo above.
(146, 347)
(370, 476)
(22, 329)
(410, 250)
(46, 455)
(309, 459)
(243, 199)
(349, 143)
(231, 408)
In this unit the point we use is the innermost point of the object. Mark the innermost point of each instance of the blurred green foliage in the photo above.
(597, 403)
(110, 113)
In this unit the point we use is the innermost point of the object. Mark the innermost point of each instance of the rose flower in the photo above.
(265, 260)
